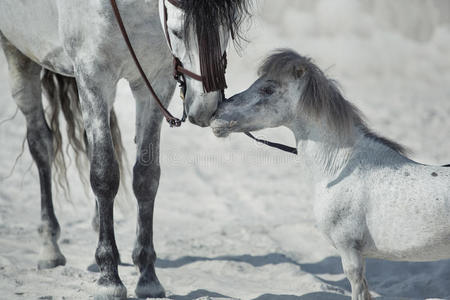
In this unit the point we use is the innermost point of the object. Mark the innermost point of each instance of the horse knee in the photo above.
(105, 177)
(145, 179)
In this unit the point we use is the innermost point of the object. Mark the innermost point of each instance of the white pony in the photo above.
(371, 200)
(80, 50)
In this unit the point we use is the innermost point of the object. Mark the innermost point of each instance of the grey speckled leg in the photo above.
(26, 91)
(146, 174)
(354, 268)
(95, 99)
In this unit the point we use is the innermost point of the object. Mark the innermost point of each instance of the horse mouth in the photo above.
(220, 132)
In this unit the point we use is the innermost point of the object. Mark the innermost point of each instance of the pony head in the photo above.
(291, 90)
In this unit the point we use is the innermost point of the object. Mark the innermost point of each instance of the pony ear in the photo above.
(298, 71)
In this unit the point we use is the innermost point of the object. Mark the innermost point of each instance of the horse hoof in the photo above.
(111, 292)
(150, 290)
(51, 263)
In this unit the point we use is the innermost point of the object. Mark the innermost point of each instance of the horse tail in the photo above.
(62, 96)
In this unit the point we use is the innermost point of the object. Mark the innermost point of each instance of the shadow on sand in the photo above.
(313, 296)
(396, 279)
(198, 294)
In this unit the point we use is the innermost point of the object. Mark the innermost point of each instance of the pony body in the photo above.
(371, 200)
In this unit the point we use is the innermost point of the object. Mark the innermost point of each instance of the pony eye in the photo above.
(268, 90)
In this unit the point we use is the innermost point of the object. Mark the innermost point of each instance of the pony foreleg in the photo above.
(354, 268)
(146, 174)
(95, 96)
(26, 91)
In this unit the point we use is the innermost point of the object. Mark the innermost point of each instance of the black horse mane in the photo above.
(206, 18)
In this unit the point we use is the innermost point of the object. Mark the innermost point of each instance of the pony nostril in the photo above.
(199, 122)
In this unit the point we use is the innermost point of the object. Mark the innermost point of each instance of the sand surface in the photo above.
(234, 219)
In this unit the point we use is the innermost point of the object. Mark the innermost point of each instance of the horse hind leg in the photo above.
(26, 91)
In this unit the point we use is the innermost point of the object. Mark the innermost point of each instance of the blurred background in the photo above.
(234, 218)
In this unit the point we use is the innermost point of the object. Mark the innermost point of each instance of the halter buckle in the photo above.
(174, 122)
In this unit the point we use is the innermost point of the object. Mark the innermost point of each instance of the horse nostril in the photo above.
(191, 119)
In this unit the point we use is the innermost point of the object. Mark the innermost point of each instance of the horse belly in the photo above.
(33, 28)
(410, 223)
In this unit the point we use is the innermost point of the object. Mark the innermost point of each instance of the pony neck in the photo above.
(322, 150)
(327, 155)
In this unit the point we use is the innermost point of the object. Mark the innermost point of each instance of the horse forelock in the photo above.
(207, 18)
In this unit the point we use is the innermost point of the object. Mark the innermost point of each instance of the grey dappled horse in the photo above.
(78, 50)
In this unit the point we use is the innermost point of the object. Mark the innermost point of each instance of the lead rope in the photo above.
(278, 146)
(174, 122)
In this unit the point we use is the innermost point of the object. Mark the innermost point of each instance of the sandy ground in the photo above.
(234, 219)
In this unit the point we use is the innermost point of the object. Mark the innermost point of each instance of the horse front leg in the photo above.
(97, 93)
(146, 174)
(354, 268)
